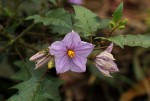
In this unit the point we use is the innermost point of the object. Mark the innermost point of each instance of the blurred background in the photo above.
(132, 83)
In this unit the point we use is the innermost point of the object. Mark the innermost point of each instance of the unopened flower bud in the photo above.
(124, 22)
(38, 55)
(104, 62)
(41, 58)
(112, 24)
(121, 27)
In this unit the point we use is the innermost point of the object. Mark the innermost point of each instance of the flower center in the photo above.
(71, 53)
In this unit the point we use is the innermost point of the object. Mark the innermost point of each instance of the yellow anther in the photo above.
(71, 53)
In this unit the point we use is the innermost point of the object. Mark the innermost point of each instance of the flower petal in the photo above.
(79, 64)
(84, 49)
(109, 49)
(42, 61)
(57, 48)
(105, 64)
(62, 64)
(77, 2)
(37, 56)
(114, 68)
(72, 40)
(105, 54)
(105, 72)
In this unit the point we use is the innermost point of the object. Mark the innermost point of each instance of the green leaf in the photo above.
(104, 23)
(60, 29)
(118, 13)
(39, 87)
(37, 90)
(23, 73)
(86, 22)
(58, 19)
(130, 40)
(12, 28)
(37, 18)
(138, 69)
(53, 2)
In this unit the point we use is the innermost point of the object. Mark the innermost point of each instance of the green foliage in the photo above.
(38, 87)
(86, 22)
(138, 69)
(104, 23)
(121, 27)
(23, 74)
(53, 2)
(8, 12)
(58, 19)
(123, 22)
(118, 13)
(112, 24)
(130, 40)
(116, 22)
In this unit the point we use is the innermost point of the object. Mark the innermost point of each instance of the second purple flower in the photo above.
(71, 53)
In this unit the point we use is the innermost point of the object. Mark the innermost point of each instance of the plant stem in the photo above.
(12, 41)
(113, 29)
(21, 42)
(22, 34)
(3, 33)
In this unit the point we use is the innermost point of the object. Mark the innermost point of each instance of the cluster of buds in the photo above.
(42, 58)
(118, 25)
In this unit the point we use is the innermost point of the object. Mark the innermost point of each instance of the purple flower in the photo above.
(41, 58)
(77, 2)
(104, 62)
(71, 53)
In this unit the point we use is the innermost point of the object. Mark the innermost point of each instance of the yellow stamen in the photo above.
(71, 53)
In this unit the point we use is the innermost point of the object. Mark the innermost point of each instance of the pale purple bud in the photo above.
(109, 49)
(106, 54)
(104, 62)
(41, 58)
(42, 61)
(37, 56)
